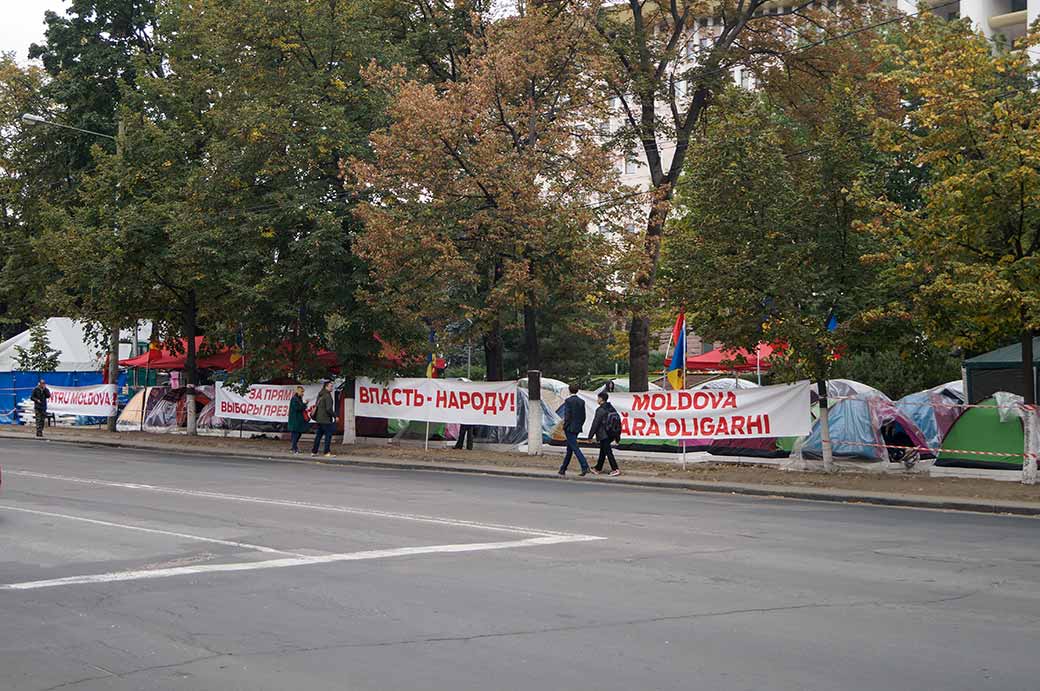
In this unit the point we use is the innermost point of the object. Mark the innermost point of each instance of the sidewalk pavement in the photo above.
(372, 459)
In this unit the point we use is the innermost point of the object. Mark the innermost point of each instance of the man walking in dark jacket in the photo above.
(325, 419)
(39, 398)
(573, 421)
(604, 429)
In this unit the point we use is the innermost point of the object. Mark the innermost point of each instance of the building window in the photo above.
(632, 165)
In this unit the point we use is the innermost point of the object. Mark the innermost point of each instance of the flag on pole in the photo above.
(676, 373)
(431, 360)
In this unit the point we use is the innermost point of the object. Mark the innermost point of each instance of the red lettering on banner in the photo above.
(722, 427)
(464, 399)
(672, 427)
(685, 401)
(652, 428)
(708, 427)
(731, 400)
(658, 401)
(766, 418)
(395, 396)
(754, 425)
(420, 400)
(363, 394)
(737, 424)
(489, 404)
(625, 431)
(700, 400)
(641, 402)
(638, 426)
(453, 400)
(477, 399)
(442, 399)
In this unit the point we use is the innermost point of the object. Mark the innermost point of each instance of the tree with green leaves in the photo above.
(770, 216)
(972, 243)
(39, 356)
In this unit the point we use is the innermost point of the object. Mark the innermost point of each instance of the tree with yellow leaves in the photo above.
(972, 128)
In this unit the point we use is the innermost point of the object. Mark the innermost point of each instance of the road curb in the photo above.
(769, 491)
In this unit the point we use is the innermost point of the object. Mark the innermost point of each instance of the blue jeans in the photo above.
(573, 449)
(294, 437)
(326, 429)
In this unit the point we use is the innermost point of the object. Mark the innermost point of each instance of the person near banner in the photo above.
(465, 432)
(606, 429)
(297, 418)
(573, 422)
(39, 398)
(325, 418)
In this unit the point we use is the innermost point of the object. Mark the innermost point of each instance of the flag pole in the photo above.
(684, 361)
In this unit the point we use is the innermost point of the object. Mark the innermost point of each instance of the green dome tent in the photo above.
(980, 430)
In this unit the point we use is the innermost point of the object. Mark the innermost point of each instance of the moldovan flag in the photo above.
(676, 373)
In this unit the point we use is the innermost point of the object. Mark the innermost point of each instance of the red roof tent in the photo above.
(713, 361)
(223, 359)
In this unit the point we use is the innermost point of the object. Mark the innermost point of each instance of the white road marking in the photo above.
(299, 561)
(199, 538)
(299, 504)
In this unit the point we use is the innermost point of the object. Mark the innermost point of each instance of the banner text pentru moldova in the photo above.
(438, 400)
(767, 411)
(90, 401)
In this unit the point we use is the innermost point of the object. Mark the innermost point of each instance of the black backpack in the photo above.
(613, 425)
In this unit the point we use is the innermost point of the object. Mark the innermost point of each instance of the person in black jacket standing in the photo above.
(325, 417)
(39, 398)
(573, 421)
(604, 428)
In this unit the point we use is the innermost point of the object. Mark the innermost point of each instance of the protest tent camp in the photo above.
(863, 421)
(979, 439)
(79, 364)
(934, 410)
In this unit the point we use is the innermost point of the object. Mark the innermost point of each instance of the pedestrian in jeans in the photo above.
(297, 418)
(39, 398)
(573, 421)
(606, 428)
(325, 418)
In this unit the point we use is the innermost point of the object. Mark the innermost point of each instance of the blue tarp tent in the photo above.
(934, 411)
(862, 421)
(17, 386)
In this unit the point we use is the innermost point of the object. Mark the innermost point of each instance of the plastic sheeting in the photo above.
(934, 410)
(861, 417)
(1010, 406)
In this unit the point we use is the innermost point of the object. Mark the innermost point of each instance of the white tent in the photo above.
(69, 338)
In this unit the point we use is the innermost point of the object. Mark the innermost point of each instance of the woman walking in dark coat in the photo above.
(297, 418)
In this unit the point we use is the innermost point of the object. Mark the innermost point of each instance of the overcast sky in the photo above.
(21, 23)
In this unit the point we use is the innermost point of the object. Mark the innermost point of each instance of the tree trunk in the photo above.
(494, 352)
(1028, 376)
(639, 328)
(113, 371)
(825, 428)
(190, 370)
(532, 352)
(639, 353)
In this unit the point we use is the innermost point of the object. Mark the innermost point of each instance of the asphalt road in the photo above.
(130, 570)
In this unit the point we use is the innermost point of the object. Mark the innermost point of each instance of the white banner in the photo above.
(766, 411)
(438, 400)
(92, 401)
(263, 402)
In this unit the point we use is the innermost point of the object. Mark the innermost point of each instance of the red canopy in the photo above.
(223, 358)
(164, 358)
(729, 360)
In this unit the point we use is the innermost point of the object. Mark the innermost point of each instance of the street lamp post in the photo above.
(113, 343)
